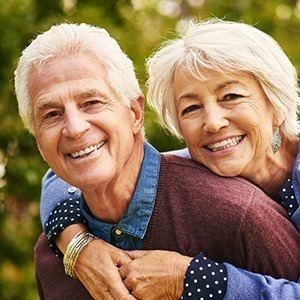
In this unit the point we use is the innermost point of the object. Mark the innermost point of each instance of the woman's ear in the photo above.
(138, 113)
(279, 117)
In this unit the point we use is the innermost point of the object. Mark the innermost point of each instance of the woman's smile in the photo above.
(227, 143)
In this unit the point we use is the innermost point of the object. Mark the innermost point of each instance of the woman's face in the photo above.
(226, 120)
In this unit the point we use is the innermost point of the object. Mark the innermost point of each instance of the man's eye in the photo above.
(92, 103)
(51, 114)
(190, 109)
(230, 97)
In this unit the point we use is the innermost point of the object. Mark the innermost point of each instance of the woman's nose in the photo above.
(215, 118)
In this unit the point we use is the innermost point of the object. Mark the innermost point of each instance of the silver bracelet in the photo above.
(78, 242)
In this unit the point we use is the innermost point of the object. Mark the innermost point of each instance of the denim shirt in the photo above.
(129, 231)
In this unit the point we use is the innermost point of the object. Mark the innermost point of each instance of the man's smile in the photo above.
(86, 150)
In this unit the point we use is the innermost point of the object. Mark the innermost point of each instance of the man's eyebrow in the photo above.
(43, 105)
(89, 94)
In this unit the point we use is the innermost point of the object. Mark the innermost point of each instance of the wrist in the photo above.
(76, 245)
(65, 237)
(181, 264)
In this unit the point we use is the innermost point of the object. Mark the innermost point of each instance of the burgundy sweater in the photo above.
(228, 219)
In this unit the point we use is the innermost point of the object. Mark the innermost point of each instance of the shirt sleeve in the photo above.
(205, 279)
(64, 214)
(242, 284)
(54, 191)
(229, 282)
(234, 283)
(60, 207)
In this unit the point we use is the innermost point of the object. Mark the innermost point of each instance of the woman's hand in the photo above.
(155, 274)
(97, 268)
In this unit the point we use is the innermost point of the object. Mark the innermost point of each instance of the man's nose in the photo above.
(75, 123)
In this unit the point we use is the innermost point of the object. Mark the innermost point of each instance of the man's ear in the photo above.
(40, 150)
(138, 113)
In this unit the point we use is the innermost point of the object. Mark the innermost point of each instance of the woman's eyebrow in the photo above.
(188, 96)
(224, 84)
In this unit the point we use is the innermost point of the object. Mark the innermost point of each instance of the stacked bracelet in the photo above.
(78, 242)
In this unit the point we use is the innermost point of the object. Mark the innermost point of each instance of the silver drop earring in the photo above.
(276, 141)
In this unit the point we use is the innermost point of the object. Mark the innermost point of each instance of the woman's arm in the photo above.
(254, 282)
(201, 277)
(246, 285)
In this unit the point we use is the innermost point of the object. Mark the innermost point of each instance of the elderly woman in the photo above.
(231, 93)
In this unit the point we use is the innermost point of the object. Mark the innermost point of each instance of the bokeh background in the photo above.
(139, 26)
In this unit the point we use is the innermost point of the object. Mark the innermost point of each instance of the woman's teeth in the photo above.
(225, 144)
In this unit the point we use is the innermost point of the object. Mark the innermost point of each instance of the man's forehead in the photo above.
(46, 101)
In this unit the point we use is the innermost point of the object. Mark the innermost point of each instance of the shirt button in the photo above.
(72, 189)
(118, 231)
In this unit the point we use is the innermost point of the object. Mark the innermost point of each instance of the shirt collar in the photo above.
(136, 219)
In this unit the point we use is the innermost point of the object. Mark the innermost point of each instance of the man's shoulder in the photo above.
(186, 170)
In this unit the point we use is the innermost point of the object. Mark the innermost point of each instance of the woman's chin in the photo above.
(228, 171)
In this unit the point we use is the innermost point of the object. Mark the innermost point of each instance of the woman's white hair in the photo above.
(74, 39)
(224, 46)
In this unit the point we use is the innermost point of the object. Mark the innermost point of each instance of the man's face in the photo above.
(85, 134)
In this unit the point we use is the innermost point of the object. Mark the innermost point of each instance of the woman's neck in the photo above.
(277, 170)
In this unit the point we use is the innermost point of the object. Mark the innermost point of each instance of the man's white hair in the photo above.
(75, 39)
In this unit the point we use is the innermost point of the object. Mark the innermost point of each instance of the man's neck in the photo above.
(110, 202)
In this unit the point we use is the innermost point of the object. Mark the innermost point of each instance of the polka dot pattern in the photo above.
(205, 279)
(65, 213)
(287, 195)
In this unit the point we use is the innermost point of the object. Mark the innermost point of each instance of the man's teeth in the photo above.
(87, 150)
(225, 144)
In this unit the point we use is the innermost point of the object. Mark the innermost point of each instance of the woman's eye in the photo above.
(230, 97)
(190, 109)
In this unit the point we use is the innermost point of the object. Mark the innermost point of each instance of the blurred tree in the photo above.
(139, 26)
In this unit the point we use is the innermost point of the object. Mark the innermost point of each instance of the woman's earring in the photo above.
(276, 140)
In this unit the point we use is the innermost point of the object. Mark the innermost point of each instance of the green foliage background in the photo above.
(139, 26)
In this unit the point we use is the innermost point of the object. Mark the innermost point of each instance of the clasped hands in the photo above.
(110, 273)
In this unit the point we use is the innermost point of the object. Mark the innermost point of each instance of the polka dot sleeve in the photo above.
(64, 214)
(205, 279)
(288, 198)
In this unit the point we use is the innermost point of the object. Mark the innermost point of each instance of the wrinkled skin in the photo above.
(155, 274)
(97, 268)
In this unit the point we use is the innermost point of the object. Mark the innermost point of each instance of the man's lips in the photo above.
(86, 150)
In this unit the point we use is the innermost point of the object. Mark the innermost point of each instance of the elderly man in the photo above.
(79, 97)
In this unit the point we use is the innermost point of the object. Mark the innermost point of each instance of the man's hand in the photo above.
(155, 274)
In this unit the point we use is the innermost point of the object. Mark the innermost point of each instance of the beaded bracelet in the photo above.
(78, 242)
